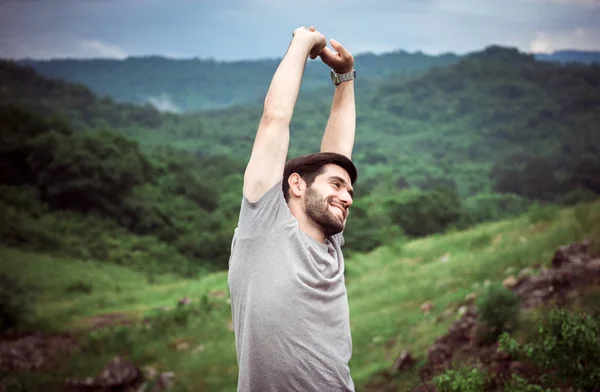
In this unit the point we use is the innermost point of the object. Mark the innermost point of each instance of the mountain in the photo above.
(195, 84)
(450, 123)
(571, 56)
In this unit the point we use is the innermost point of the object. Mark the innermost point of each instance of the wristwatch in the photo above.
(337, 78)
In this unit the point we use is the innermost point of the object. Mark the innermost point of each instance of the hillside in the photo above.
(476, 141)
(571, 56)
(175, 85)
(117, 219)
(101, 307)
(196, 84)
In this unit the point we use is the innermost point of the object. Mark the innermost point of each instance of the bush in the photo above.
(79, 287)
(461, 380)
(519, 384)
(14, 308)
(567, 346)
(164, 321)
(542, 212)
(498, 310)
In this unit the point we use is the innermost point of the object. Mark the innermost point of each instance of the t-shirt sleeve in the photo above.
(269, 212)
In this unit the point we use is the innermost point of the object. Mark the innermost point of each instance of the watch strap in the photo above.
(338, 78)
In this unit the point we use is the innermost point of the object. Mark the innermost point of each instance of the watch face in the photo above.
(333, 77)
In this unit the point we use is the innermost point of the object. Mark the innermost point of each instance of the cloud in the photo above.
(49, 46)
(585, 3)
(163, 103)
(102, 49)
(581, 38)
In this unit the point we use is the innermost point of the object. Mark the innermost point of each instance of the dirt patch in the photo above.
(33, 351)
(108, 320)
(573, 267)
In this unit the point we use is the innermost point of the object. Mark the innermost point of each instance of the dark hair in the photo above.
(310, 166)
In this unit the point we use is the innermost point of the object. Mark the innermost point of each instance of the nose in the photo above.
(346, 198)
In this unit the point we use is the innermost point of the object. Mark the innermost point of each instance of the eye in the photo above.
(336, 185)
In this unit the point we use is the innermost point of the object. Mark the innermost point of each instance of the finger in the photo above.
(329, 57)
(312, 28)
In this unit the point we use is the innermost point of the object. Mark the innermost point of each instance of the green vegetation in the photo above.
(385, 293)
(566, 347)
(195, 84)
(462, 380)
(498, 310)
(476, 141)
(113, 212)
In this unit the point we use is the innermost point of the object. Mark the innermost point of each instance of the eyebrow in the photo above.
(340, 179)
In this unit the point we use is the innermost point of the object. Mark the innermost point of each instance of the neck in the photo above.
(306, 224)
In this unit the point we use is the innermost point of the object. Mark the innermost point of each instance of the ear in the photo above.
(297, 185)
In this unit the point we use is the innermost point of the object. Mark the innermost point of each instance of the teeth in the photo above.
(339, 209)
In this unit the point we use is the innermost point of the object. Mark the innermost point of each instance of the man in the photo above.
(286, 270)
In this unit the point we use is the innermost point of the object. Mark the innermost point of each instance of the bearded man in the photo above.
(286, 269)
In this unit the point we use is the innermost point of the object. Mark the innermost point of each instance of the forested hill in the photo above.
(448, 125)
(478, 140)
(571, 56)
(194, 84)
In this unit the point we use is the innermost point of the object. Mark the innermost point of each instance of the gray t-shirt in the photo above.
(289, 303)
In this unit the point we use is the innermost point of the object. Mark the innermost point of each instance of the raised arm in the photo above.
(341, 126)
(269, 152)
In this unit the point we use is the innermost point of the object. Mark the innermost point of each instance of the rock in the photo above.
(470, 297)
(33, 351)
(182, 346)
(426, 307)
(150, 372)
(510, 281)
(572, 267)
(527, 271)
(119, 374)
(217, 294)
(405, 361)
(571, 254)
(198, 349)
(164, 382)
(445, 258)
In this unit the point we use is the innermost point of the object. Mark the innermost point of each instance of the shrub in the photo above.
(14, 308)
(461, 380)
(542, 213)
(163, 321)
(519, 384)
(79, 287)
(498, 310)
(567, 345)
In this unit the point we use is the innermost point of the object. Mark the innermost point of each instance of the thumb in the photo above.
(339, 48)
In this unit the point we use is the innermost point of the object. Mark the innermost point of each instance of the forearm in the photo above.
(341, 126)
(285, 85)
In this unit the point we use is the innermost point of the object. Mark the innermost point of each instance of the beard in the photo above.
(317, 210)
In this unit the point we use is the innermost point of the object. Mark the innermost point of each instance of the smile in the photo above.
(339, 209)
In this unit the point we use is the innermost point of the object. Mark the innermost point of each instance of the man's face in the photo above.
(328, 199)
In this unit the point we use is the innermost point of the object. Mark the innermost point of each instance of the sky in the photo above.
(253, 29)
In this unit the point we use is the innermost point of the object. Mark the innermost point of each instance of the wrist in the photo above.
(343, 70)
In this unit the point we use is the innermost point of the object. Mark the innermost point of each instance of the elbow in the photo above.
(273, 114)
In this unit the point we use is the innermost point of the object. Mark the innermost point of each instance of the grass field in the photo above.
(385, 288)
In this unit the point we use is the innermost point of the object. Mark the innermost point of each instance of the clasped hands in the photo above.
(340, 60)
